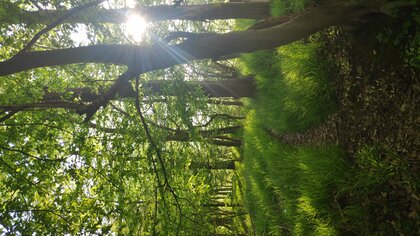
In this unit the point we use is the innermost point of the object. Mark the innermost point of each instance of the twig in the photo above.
(158, 154)
(30, 155)
(40, 211)
(23, 177)
(7, 116)
(55, 23)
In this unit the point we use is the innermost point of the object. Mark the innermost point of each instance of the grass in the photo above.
(292, 84)
(288, 189)
(302, 190)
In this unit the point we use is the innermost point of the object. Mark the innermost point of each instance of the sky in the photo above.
(134, 28)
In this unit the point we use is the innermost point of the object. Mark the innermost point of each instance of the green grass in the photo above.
(312, 190)
(293, 88)
(289, 189)
(292, 82)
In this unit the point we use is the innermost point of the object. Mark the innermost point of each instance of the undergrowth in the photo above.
(301, 190)
(292, 84)
(289, 190)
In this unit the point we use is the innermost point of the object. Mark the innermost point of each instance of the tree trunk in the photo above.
(221, 204)
(209, 101)
(226, 143)
(255, 10)
(214, 165)
(182, 135)
(141, 59)
(235, 88)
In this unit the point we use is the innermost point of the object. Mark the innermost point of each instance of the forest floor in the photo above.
(377, 88)
(377, 84)
(374, 67)
(378, 93)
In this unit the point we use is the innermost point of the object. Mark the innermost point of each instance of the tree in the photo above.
(251, 10)
(142, 59)
(235, 88)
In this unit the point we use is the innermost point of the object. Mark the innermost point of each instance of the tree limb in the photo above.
(158, 154)
(55, 23)
(13, 109)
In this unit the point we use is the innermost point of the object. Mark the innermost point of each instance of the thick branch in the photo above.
(256, 10)
(58, 21)
(13, 109)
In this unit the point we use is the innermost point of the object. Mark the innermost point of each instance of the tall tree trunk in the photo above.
(212, 136)
(221, 204)
(182, 135)
(214, 165)
(235, 88)
(226, 143)
(255, 10)
(143, 59)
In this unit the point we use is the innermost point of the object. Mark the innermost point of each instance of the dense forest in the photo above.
(138, 117)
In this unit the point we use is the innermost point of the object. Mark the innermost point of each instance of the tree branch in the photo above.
(158, 154)
(13, 109)
(103, 100)
(55, 23)
(161, 55)
(30, 155)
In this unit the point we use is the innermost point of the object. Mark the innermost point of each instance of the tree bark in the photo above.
(254, 10)
(214, 165)
(182, 135)
(226, 143)
(209, 101)
(143, 59)
(235, 88)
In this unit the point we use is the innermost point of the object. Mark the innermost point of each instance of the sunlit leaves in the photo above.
(61, 175)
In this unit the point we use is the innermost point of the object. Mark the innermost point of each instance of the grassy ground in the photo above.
(362, 79)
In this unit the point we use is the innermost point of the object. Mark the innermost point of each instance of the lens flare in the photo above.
(136, 26)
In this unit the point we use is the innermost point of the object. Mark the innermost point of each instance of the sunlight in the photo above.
(136, 26)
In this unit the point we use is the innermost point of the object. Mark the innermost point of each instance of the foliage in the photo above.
(147, 164)
(60, 175)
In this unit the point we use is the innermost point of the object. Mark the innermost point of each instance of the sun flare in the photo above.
(136, 26)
